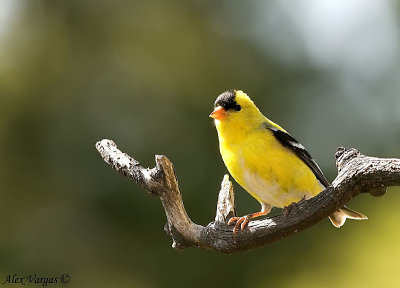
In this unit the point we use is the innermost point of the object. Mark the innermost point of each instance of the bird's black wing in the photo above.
(289, 142)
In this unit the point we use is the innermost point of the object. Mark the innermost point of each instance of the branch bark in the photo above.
(357, 174)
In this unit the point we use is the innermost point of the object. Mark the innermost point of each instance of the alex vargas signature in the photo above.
(35, 279)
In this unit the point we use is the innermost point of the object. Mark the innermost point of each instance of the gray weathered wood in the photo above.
(357, 174)
(226, 202)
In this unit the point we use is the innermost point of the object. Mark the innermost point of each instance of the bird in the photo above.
(266, 160)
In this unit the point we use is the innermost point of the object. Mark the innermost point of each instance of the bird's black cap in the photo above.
(227, 101)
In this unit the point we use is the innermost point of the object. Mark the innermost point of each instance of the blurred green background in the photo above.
(146, 74)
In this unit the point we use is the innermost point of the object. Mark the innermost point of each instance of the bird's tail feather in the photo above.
(339, 217)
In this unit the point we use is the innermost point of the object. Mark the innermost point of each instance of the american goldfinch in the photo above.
(266, 160)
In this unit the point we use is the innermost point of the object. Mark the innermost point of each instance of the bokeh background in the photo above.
(146, 74)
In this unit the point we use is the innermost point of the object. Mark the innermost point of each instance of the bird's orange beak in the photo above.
(219, 113)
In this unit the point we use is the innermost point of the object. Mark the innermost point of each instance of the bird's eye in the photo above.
(237, 107)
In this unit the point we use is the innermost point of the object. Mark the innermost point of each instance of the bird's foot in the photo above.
(286, 209)
(242, 222)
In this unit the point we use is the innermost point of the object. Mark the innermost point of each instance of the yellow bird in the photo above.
(265, 160)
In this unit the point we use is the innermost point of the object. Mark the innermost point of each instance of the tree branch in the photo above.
(357, 174)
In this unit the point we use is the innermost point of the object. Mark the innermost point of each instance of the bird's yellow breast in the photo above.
(270, 172)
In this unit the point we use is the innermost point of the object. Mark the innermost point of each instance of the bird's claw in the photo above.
(286, 209)
(240, 222)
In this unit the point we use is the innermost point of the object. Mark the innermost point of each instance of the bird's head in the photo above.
(235, 109)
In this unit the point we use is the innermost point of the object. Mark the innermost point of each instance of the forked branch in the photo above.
(357, 174)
